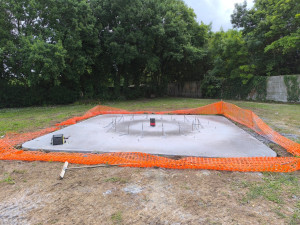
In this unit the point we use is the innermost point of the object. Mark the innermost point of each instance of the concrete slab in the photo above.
(201, 135)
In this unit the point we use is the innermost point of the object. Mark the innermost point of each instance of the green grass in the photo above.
(116, 180)
(160, 104)
(278, 188)
(8, 179)
(34, 118)
(19, 171)
(273, 187)
(117, 217)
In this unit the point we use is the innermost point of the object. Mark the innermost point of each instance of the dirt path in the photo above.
(31, 193)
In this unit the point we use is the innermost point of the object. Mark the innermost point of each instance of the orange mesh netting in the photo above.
(136, 159)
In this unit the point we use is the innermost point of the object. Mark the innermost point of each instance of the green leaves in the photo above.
(146, 41)
(45, 62)
(271, 29)
(285, 44)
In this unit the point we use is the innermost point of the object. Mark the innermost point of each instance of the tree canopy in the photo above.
(57, 51)
(272, 33)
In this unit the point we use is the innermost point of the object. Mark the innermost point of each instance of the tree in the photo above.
(85, 47)
(230, 62)
(6, 39)
(271, 30)
(147, 41)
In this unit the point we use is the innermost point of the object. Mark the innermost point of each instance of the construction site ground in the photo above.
(31, 193)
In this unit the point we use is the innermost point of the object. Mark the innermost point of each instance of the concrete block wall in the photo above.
(277, 89)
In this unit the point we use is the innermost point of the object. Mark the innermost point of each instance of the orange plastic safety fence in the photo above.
(136, 159)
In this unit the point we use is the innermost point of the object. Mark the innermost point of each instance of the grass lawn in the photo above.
(34, 118)
(219, 197)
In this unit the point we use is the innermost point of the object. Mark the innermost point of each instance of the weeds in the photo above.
(8, 180)
(272, 187)
(117, 217)
(19, 171)
(295, 218)
(278, 212)
(116, 180)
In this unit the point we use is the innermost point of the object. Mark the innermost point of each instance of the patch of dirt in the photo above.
(131, 196)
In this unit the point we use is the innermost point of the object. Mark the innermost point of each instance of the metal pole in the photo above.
(120, 118)
(199, 122)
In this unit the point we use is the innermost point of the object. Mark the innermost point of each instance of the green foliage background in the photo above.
(59, 51)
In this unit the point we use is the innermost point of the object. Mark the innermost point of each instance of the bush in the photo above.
(20, 95)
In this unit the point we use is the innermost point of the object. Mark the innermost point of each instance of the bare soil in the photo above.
(35, 195)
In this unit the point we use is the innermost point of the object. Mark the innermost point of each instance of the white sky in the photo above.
(216, 11)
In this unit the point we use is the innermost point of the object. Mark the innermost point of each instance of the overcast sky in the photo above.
(216, 11)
